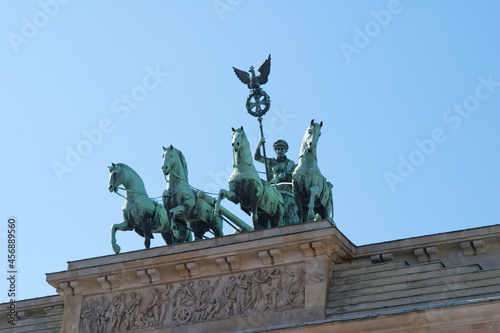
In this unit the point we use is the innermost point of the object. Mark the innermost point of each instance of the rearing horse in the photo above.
(140, 213)
(313, 194)
(182, 202)
(255, 197)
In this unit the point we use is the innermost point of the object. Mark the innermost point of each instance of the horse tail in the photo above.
(330, 185)
(148, 225)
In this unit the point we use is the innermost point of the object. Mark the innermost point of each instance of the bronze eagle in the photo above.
(254, 82)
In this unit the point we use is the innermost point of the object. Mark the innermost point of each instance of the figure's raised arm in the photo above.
(257, 155)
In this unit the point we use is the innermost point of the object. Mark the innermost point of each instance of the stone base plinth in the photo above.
(250, 280)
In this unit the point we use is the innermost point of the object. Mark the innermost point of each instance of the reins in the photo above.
(192, 187)
(178, 225)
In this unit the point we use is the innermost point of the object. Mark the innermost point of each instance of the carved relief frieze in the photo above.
(274, 288)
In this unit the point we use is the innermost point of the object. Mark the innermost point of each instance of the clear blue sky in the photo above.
(408, 91)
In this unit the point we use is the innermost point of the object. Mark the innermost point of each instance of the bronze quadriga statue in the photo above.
(255, 196)
(185, 209)
(292, 193)
(140, 213)
(313, 194)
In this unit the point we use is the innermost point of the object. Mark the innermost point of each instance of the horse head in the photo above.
(167, 159)
(241, 147)
(122, 174)
(114, 177)
(172, 159)
(312, 135)
(239, 138)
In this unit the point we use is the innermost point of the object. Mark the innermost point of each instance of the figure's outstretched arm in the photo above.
(276, 179)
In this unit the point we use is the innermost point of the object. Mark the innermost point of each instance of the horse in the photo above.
(313, 194)
(256, 197)
(140, 213)
(182, 203)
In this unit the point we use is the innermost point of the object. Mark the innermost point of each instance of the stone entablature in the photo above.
(279, 279)
(42, 314)
(253, 279)
(471, 246)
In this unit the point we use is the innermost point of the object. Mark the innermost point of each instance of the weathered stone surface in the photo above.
(299, 278)
(263, 277)
(44, 314)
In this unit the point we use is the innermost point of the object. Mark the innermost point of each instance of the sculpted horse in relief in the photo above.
(255, 196)
(313, 194)
(140, 213)
(181, 201)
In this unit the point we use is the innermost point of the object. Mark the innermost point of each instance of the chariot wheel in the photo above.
(258, 103)
(183, 315)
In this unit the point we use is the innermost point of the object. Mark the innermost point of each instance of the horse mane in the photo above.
(303, 148)
(304, 141)
(123, 165)
(183, 161)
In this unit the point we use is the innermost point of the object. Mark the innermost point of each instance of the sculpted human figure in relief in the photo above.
(187, 302)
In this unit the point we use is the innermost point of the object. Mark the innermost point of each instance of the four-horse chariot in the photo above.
(187, 210)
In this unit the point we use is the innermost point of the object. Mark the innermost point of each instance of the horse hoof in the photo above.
(116, 248)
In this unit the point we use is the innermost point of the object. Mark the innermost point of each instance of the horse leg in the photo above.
(147, 240)
(177, 215)
(217, 226)
(326, 198)
(325, 209)
(329, 205)
(121, 226)
(167, 237)
(145, 221)
(181, 232)
(315, 192)
(166, 233)
(301, 212)
(199, 228)
(222, 194)
(298, 200)
(229, 195)
(209, 219)
(277, 219)
(177, 212)
(254, 206)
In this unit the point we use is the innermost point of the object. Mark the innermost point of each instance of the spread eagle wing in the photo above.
(242, 75)
(264, 70)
